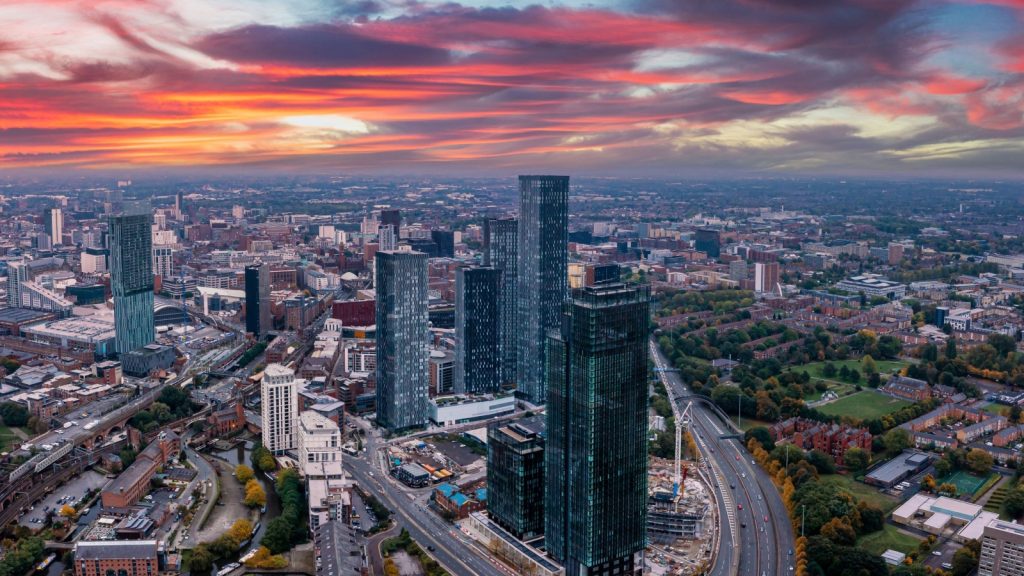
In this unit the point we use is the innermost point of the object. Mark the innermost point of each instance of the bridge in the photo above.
(707, 401)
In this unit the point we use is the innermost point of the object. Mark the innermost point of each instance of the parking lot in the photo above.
(70, 493)
(945, 554)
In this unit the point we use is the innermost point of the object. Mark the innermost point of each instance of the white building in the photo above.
(280, 408)
(319, 443)
(55, 226)
(163, 261)
(445, 411)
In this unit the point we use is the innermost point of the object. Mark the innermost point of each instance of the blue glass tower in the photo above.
(477, 331)
(501, 245)
(131, 276)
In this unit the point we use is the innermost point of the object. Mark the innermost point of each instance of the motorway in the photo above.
(760, 548)
(452, 549)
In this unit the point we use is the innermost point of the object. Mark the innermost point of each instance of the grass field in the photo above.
(965, 482)
(889, 537)
(997, 409)
(864, 405)
(862, 491)
(997, 499)
(817, 369)
(8, 439)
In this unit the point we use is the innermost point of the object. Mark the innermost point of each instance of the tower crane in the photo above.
(682, 423)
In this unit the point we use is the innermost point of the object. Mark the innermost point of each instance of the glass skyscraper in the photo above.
(402, 339)
(596, 445)
(542, 274)
(501, 244)
(257, 299)
(477, 331)
(515, 476)
(131, 276)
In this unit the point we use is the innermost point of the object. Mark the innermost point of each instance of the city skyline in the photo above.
(610, 87)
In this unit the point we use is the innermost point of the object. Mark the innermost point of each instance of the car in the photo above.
(790, 551)
(752, 462)
(947, 566)
(733, 486)
(765, 517)
(743, 474)
(430, 548)
(936, 553)
(743, 524)
(739, 506)
(737, 456)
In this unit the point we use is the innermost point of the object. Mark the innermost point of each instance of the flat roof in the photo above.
(21, 315)
(956, 508)
(975, 528)
(911, 506)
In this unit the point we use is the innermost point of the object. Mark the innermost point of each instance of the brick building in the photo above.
(120, 557)
(832, 439)
(133, 483)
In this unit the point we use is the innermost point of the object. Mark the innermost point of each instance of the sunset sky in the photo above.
(658, 87)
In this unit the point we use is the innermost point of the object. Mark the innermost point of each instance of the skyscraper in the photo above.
(1002, 550)
(766, 276)
(131, 277)
(501, 244)
(163, 261)
(17, 275)
(515, 476)
(595, 453)
(391, 218)
(541, 273)
(279, 405)
(402, 345)
(708, 241)
(445, 240)
(257, 299)
(54, 223)
(477, 331)
(387, 235)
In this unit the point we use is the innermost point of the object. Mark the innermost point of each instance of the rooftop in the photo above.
(117, 549)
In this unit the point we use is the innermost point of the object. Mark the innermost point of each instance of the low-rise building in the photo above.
(133, 483)
(120, 558)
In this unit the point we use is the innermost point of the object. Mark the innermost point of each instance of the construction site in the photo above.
(681, 515)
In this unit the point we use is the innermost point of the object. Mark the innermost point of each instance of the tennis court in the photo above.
(965, 482)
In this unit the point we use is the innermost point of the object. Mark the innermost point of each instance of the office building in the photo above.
(1002, 549)
(501, 245)
(738, 270)
(708, 241)
(280, 408)
(54, 222)
(477, 331)
(94, 260)
(445, 241)
(402, 343)
(596, 432)
(258, 317)
(515, 476)
(131, 276)
(766, 276)
(163, 261)
(542, 274)
(17, 275)
(120, 557)
(895, 253)
(391, 217)
(387, 235)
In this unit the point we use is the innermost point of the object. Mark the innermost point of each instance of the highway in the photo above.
(452, 549)
(745, 493)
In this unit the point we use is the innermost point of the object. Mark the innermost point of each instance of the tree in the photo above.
(947, 488)
(839, 531)
(201, 560)
(856, 459)
(829, 371)
(868, 366)
(979, 461)
(14, 414)
(254, 494)
(872, 518)
(943, 467)
(964, 562)
(262, 459)
(822, 462)
(277, 537)
(896, 440)
(240, 531)
(928, 483)
(243, 473)
(951, 348)
(1015, 502)
(67, 511)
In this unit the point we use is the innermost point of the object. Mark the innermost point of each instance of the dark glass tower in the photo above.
(477, 331)
(131, 277)
(445, 240)
(596, 456)
(257, 299)
(391, 218)
(515, 476)
(402, 345)
(708, 241)
(501, 244)
(542, 274)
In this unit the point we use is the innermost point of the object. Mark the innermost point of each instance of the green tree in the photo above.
(856, 459)
(14, 414)
(762, 435)
(979, 461)
(839, 531)
(964, 562)
(951, 348)
(822, 462)
(1014, 502)
(277, 537)
(868, 365)
(201, 560)
(896, 441)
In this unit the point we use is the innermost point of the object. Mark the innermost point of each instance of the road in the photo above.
(452, 549)
(760, 548)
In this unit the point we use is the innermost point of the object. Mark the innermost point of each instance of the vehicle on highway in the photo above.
(936, 553)
(737, 456)
(743, 524)
(765, 517)
(739, 506)
(733, 486)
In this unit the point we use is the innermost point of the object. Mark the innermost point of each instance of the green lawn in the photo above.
(817, 369)
(997, 409)
(888, 538)
(840, 388)
(749, 423)
(862, 491)
(864, 405)
(8, 439)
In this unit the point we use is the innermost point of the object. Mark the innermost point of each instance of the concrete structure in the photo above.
(873, 285)
(1002, 550)
(95, 332)
(319, 442)
(942, 515)
(142, 361)
(163, 261)
(541, 275)
(54, 224)
(280, 408)
(832, 439)
(523, 557)
(258, 319)
(515, 475)
(118, 558)
(453, 410)
(339, 549)
(766, 276)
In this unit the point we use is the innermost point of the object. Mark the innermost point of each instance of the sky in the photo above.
(632, 87)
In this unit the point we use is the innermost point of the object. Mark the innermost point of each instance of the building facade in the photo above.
(280, 408)
(118, 558)
(163, 261)
(708, 241)
(595, 455)
(477, 331)
(319, 442)
(542, 275)
(131, 277)
(515, 476)
(55, 226)
(1002, 550)
(402, 339)
(501, 245)
(257, 299)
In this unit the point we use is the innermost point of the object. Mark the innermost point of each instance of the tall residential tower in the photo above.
(542, 274)
(131, 276)
(501, 244)
(477, 331)
(257, 299)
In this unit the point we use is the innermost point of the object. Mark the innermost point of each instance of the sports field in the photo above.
(966, 483)
(864, 405)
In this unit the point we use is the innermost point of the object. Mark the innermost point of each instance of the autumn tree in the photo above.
(240, 531)
(244, 473)
(254, 494)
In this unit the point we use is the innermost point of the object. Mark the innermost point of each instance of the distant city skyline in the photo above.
(637, 87)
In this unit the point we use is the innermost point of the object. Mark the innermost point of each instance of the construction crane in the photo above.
(682, 423)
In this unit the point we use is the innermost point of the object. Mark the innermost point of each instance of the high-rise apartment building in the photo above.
(17, 275)
(766, 276)
(54, 223)
(515, 476)
(1002, 550)
(391, 217)
(477, 331)
(257, 299)
(319, 443)
(595, 448)
(542, 274)
(895, 253)
(280, 408)
(387, 235)
(402, 339)
(445, 241)
(131, 276)
(501, 245)
(163, 261)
